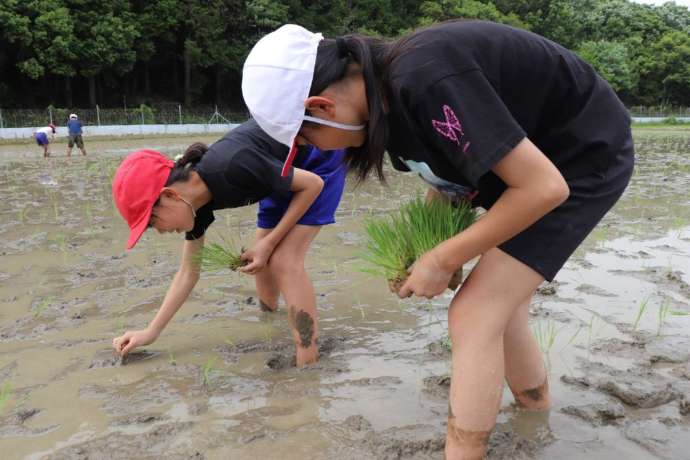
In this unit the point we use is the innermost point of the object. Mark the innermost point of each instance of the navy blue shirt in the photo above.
(74, 127)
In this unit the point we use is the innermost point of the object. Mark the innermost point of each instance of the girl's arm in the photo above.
(535, 187)
(184, 281)
(306, 187)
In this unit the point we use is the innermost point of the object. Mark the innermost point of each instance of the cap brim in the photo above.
(139, 229)
(290, 158)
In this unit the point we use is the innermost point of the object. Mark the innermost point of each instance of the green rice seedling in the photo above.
(395, 242)
(171, 358)
(215, 257)
(640, 311)
(664, 310)
(5, 393)
(43, 304)
(573, 337)
(206, 370)
(545, 334)
(447, 343)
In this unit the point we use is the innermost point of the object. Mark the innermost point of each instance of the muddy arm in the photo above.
(184, 281)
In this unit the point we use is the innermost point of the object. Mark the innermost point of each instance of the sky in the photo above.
(661, 2)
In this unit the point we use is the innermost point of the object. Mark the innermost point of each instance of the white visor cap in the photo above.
(72, 116)
(276, 80)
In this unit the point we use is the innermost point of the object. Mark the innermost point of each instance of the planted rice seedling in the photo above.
(640, 311)
(546, 334)
(215, 256)
(206, 370)
(395, 242)
(5, 392)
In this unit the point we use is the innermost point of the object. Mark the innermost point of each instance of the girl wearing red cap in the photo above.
(483, 112)
(242, 168)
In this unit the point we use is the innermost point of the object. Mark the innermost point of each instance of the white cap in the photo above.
(73, 116)
(276, 80)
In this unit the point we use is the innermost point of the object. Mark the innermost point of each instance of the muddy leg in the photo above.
(287, 265)
(266, 286)
(477, 320)
(524, 364)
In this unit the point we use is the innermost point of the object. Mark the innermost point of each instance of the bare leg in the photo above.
(477, 320)
(69, 151)
(83, 152)
(287, 266)
(524, 364)
(266, 286)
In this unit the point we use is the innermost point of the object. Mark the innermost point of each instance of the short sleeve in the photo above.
(204, 218)
(463, 118)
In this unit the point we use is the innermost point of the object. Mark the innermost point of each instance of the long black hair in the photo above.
(184, 165)
(332, 63)
(374, 57)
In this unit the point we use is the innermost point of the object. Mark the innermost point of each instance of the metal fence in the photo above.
(142, 115)
(174, 114)
(661, 111)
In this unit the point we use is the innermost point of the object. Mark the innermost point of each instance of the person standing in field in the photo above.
(74, 135)
(514, 122)
(43, 136)
(244, 167)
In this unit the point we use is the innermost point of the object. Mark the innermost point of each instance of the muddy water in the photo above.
(218, 383)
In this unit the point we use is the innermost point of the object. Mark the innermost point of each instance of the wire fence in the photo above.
(175, 114)
(172, 114)
(661, 111)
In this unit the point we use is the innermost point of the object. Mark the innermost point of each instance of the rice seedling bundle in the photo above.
(215, 257)
(395, 242)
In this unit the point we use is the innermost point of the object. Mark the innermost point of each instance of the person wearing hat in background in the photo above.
(43, 137)
(74, 135)
(516, 123)
(244, 167)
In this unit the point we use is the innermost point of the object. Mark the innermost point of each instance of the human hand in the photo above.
(133, 339)
(427, 278)
(256, 257)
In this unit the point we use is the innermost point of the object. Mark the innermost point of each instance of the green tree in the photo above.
(440, 10)
(612, 62)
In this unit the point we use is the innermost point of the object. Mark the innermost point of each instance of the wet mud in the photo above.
(220, 382)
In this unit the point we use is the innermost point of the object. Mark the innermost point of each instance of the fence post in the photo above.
(2, 124)
(179, 110)
(98, 115)
(141, 108)
(50, 114)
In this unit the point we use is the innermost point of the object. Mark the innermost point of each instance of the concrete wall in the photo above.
(124, 130)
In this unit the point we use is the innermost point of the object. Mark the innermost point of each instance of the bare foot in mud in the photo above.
(266, 308)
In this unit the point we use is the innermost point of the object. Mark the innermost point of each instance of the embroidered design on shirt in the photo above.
(451, 128)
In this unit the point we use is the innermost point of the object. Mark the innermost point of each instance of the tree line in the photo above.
(113, 52)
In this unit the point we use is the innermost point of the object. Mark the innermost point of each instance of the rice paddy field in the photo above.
(614, 329)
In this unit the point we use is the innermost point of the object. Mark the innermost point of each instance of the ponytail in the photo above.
(333, 58)
(186, 163)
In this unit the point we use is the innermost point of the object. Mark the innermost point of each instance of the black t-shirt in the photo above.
(466, 93)
(240, 169)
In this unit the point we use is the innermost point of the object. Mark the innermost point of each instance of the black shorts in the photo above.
(547, 244)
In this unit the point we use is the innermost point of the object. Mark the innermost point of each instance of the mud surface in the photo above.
(220, 382)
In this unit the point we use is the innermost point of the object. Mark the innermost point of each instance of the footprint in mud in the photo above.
(437, 385)
(108, 358)
(610, 413)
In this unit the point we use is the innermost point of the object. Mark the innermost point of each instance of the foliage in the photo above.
(132, 52)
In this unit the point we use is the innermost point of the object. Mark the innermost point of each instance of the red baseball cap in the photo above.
(137, 185)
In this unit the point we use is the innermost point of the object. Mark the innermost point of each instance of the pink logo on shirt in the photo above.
(451, 128)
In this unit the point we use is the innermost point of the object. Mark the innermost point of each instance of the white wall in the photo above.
(124, 130)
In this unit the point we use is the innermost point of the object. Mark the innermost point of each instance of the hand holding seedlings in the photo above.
(132, 339)
(257, 256)
(426, 278)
